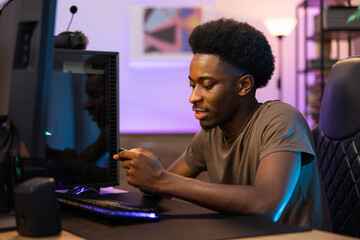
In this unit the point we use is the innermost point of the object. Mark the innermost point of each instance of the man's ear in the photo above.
(245, 84)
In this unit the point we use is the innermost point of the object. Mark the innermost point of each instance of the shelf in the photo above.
(333, 26)
(316, 3)
(337, 35)
(314, 64)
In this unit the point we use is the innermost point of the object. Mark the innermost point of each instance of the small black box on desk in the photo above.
(36, 209)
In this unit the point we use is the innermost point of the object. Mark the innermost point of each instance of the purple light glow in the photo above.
(155, 100)
(154, 92)
(119, 213)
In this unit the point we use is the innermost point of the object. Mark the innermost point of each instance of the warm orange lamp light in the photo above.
(280, 27)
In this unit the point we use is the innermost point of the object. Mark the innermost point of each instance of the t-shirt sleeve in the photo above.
(285, 129)
(194, 154)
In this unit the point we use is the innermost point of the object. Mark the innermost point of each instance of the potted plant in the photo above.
(354, 16)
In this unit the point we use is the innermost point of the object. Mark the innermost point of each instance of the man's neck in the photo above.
(236, 125)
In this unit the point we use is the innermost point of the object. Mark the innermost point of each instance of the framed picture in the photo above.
(160, 30)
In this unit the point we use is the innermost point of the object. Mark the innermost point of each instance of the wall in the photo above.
(154, 95)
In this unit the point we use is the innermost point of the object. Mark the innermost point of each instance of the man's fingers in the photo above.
(118, 157)
(123, 155)
(126, 164)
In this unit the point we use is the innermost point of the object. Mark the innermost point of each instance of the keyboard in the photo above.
(102, 206)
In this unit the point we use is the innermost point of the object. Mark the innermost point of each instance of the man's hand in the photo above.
(144, 169)
(275, 181)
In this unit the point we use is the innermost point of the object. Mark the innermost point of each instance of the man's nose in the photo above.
(196, 95)
(87, 104)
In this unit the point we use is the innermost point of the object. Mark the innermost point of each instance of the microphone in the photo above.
(73, 10)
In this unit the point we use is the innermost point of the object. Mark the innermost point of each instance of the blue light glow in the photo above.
(292, 185)
(80, 190)
(119, 213)
(48, 133)
(278, 214)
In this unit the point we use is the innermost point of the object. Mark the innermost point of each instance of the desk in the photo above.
(180, 220)
(309, 235)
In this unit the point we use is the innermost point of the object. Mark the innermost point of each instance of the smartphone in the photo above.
(123, 149)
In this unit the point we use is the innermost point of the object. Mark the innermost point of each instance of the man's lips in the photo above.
(200, 114)
(93, 116)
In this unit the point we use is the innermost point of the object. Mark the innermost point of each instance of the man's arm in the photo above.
(179, 167)
(275, 181)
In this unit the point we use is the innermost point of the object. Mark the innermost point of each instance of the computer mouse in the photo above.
(83, 191)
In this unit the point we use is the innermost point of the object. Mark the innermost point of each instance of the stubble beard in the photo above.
(208, 128)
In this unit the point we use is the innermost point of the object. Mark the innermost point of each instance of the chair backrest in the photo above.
(337, 140)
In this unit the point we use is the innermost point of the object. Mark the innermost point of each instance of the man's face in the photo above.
(214, 95)
(96, 103)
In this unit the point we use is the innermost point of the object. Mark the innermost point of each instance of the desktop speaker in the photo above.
(71, 40)
(36, 208)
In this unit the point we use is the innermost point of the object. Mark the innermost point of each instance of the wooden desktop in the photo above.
(313, 235)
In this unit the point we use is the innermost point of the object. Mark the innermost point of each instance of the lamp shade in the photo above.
(280, 26)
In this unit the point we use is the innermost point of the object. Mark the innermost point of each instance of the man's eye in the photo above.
(207, 87)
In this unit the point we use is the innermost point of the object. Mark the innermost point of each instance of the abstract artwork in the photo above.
(166, 30)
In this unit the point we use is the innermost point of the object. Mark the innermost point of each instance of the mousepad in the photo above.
(178, 220)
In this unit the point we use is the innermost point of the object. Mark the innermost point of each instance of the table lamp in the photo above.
(280, 27)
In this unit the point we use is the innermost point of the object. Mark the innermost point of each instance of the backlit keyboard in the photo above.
(106, 207)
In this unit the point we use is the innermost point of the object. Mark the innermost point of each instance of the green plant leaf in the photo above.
(351, 18)
(354, 16)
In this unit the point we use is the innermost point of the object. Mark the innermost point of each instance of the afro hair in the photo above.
(237, 44)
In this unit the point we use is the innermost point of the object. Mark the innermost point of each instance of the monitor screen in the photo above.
(60, 104)
(27, 68)
(81, 121)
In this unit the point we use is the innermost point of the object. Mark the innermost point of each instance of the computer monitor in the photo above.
(26, 50)
(26, 37)
(81, 116)
(62, 103)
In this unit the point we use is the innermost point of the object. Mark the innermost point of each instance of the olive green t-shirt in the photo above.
(274, 126)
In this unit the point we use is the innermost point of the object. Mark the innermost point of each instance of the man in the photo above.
(259, 157)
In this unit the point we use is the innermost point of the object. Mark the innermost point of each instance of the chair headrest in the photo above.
(340, 107)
